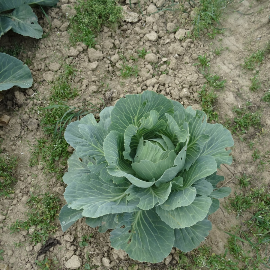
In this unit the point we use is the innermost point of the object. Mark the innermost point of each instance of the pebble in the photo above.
(153, 36)
(73, 263)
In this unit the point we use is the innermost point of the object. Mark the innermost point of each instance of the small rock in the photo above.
(106, 262)
(19, 97)
(171, 27)
(93, 66)
(115, 58)
(2, 218)
(29, 92)
(168, 259)
(68, 10)
(54, 66)
(151, 58)
(65, 26)
(151, 82)
(73, 52)
(180, 34)
(32, 230)
(152, 9)
(4, 119)
(48, 76)
(29, 248)
(73, 263)
(94, 55)
(96, 261)
(69, 237)
(108, 44)
(4, 266)
(70, 149)
(153, 36)
(119, 253)
(184, 93)
(165, 79)
(37, 247)
(176, 48)
(56, 23)
(69, 254)
(129, 16)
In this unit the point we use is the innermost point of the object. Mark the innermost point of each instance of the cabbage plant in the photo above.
(147, 170)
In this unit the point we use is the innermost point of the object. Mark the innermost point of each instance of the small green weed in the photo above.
(208, 13)
(129, 71)
(244, 181)
(84, 241)
(91, 16)
(245, 119)
(255, 83)
(254, 59)
(256, 154)
(7, 171)
(14, 49)
(215, 81)
(240, 203)
(1, 256)
(266, 97)
(204, 62)
(208, 99)
(142, 53)
(218, 51)
(42, 212)
(46, 264)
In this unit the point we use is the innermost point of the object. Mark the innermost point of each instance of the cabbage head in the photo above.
(146, 170)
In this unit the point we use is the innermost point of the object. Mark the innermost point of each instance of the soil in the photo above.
(173, 74)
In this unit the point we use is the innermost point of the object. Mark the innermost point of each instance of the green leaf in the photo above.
(214, 179)
(131, 109)
(150, 121)
(104, 223)
(4, 25)
(197, 138)
(178, 165)
(105, 117)
(179, 113)
(203, 167)
(148, 238)
(214, 206)
(130, 146)
(220, 138)
(189, 238)
(113, 148)
(149, 197)
(203, 187)
(13, 72)
(24, 21)
(180, 198)
(98, 197)
(221, 192)
(68, 217)
(175, 131)
(87, 137)
(186, 216)
(48, 3)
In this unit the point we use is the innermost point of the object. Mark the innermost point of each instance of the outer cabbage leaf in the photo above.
(189, 238)
(203, 187)
(68, 217)
(221, 192)
(147, 238)
(13, 72)
(104, 223)
(214, 179)
(214, 206)
(219, 139)
(98, 197)
(186, 216)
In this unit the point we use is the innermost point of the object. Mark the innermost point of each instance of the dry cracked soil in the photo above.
(169, 68)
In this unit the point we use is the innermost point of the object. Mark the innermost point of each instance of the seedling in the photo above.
(142, 53)
(129, 71)
(255, 83)
(84, 241)
(204, 62)
(253, 60)
(1, 252)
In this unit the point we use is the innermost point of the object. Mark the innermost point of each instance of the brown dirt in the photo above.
(243, 35)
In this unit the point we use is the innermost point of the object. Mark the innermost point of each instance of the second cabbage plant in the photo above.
(147, 170)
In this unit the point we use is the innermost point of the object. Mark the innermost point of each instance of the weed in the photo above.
(245, 119)
(252, 60)
(207, 14)
(218, 51)
(1, 256)
(240, 203)
(46, 264)
(266, 97)
(14, 49)
(42, 213)
(214, 81)
(255, 83)
(7, 179)
(85, 240)
(91, 16)
(208, 99)
(244, 181)
(204, 62)
(256, 154)
(142, 53)
(129, 71)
